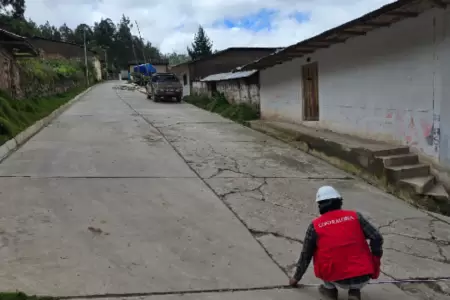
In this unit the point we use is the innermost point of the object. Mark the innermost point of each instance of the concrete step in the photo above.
(420, 185)
(438, 192)
(400, 159)
(398, 173)
(392, 151)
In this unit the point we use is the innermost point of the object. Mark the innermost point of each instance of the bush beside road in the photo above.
(241, 113)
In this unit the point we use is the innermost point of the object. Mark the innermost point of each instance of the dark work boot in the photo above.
(354, 295)
(331, 294)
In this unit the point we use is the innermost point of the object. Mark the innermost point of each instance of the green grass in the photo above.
(17, 115)
(241, 113)
(21, 296)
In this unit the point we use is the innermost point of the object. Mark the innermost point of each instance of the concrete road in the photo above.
(123, 196)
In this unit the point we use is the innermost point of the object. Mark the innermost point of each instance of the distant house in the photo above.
(12, 47)
(238, 87)
(223, 61)
(161, 65)
(384, 76)
(54, 49)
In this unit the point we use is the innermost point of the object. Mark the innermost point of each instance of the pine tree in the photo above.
(202, 45)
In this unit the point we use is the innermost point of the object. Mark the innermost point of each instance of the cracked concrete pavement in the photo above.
(120, 195)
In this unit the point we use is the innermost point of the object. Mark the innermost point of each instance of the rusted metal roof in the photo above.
(16, 44)
(382, 17)
(229, 75)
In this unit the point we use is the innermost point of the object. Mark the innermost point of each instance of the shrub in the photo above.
(241, 113)
(17, 115)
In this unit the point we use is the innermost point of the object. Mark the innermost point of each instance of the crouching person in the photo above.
(337, 240)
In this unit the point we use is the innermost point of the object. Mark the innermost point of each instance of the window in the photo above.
(184, 79)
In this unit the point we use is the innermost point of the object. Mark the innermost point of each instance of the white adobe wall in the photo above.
(238, 91)
(161, 68)
(183, 71)
(444, 63)
(199, 88)
(281, 92)
(387, 85)
(97, 68)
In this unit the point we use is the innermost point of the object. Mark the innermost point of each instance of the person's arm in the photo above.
(309, 247)
(372, 234)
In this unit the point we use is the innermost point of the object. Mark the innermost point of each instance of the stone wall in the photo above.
(16, 82)
(33, 88)
(10, 74)
(239, 91)
(199, 88)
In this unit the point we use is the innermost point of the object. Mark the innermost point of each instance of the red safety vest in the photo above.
(342, 251)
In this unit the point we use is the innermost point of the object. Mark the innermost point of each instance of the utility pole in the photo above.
(134, 51)
(142, 41)
(106, 62)
(85, 57)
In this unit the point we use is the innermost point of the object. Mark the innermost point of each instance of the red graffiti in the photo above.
(426, 128)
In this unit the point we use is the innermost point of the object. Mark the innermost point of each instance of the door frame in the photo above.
(310, 113)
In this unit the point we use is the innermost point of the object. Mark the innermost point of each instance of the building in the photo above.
(238, 87)
(384, 76)
(56, 49)
(161, 65)
(13, 47)
(222, 61)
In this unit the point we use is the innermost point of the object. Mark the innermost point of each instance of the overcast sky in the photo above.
(171, 24)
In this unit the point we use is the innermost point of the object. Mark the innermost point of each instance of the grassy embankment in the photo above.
(16, 115)
(21, 296)
(241, 113)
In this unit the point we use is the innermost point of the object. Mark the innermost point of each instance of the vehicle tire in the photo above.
(178, 99)
(155, 100)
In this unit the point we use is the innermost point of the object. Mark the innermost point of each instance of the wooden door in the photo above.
(310, 92)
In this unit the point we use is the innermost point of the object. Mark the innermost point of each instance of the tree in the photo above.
(79, 33)
(202, 45)
(17, 8)
(177, 58)
(46, 30)
(110, 40)
(66, 33)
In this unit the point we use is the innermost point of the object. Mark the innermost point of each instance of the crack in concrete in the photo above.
(406, 287)
(393, 221)
(180, 293)
(96, 177)
(236, 215)
(258, 233)
(254, 233)
(240, 191)
(181, 123)
(235, 168)
(417, 255)
(438, 242)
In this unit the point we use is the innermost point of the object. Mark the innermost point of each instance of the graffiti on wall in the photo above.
(434, 133)
(415, 130)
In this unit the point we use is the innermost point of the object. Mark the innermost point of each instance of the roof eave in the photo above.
(398, 11)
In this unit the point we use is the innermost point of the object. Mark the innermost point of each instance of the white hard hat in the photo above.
(327, 193)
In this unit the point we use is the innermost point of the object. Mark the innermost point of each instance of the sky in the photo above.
(171, 24)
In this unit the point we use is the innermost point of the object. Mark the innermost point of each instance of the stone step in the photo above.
(392, 151)
(420, 185)
(400, 159)
(398, 173)
(438, 192)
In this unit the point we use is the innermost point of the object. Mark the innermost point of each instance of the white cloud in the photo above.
(159, 19)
